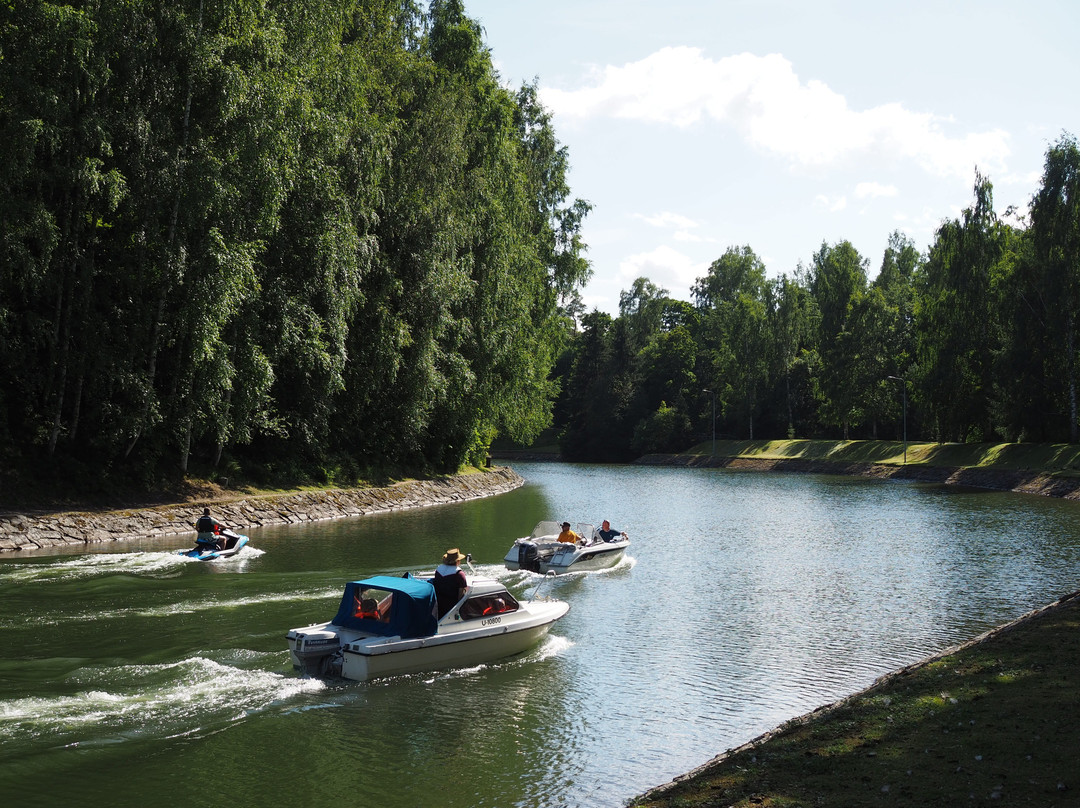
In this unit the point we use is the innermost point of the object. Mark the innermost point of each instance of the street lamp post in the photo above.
(713, 394)
(903, 386)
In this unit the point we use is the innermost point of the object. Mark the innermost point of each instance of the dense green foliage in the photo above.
(976, 340)
(293, 235)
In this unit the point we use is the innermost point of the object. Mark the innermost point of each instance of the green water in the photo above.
(132, 676)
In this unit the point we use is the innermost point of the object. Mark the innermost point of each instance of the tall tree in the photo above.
(838, 285)
(888, 330)
(959, 320)
(792, 326)
(1055, 238)
(733, 300)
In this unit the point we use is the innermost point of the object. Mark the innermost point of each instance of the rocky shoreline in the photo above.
(1020, 481)
(77, 529)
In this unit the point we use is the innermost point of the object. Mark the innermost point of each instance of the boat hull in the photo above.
(596, 557)
(429, 656)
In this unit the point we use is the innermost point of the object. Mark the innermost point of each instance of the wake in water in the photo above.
(128, 702)
(174, 608)
(83, 567)
(530, 579)
(154, 564)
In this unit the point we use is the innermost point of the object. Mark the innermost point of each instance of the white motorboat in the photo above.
(386, 626)
(541, 550)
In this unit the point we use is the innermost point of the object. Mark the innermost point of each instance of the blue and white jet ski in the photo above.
(224, 545)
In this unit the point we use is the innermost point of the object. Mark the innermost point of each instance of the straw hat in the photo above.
(452, 556)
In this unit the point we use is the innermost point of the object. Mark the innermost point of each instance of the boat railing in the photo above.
(550, 574)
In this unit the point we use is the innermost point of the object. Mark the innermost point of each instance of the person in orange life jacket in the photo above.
(450, 582)
(209, 530)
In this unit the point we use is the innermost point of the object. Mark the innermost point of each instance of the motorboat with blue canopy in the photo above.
(386, 626)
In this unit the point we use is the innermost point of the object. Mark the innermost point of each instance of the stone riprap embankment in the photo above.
(1020, 481)
(81, 528)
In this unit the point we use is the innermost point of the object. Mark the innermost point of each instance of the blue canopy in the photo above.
(411, 613)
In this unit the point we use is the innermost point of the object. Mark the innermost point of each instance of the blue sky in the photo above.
(693, 126)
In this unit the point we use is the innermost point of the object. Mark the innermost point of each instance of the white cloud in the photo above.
(831, 204)
(664, 266)
(681, 226)
(763, 99)
(686, 237)
(668, 220)
(871, 190)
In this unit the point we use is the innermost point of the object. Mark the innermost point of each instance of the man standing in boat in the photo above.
(449, 582)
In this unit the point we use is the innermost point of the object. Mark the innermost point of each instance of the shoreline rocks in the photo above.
(78, 529)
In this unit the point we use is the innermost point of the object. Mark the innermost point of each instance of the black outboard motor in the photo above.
(529, 556)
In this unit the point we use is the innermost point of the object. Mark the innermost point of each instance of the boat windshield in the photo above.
(488, 605)
(551, 530)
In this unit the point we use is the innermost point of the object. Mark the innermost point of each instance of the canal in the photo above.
(130, 675)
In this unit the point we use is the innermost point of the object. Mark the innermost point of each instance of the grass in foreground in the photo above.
(994, 723)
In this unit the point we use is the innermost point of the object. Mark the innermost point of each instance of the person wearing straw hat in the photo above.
(450, 582)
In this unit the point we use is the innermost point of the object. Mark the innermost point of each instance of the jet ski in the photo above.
(223, 545)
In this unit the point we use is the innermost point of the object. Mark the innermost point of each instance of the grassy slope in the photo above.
(1060, 459)
(992, 723)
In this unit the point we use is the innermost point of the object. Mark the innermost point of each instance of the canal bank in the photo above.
(1043, 470)
(989, 722)
(80, 528)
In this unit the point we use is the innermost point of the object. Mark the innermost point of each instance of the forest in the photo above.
(973, 340)
(320, 240)
(295, 239)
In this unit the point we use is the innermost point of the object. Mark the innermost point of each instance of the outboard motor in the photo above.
(529, 556)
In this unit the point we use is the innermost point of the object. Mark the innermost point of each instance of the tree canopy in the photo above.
(973, 340)
(312, 237)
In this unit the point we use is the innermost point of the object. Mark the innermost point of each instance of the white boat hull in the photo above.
(362, 662)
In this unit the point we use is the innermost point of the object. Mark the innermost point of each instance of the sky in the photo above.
(693, 126)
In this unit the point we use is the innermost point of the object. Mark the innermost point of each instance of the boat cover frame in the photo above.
(412, 607)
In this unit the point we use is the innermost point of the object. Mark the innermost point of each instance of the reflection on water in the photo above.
(745, 599)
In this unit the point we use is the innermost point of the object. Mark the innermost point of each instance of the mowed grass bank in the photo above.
(1057, 459)
(991, 723)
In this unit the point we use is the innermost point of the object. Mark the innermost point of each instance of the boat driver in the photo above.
(450, 582)
(568, 536)
(209, 530)
(608, 533)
